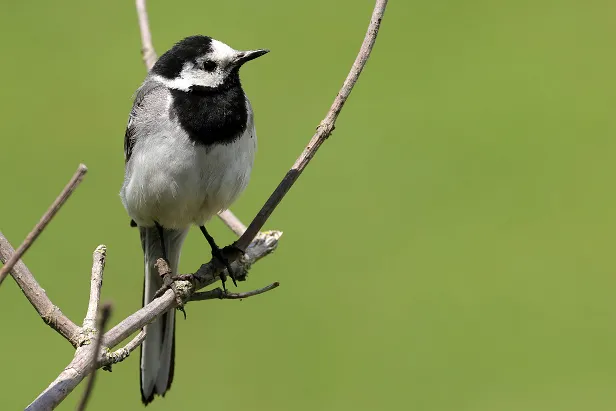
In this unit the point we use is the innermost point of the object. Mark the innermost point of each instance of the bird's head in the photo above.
(201, 62)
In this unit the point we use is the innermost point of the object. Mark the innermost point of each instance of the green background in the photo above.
(451, 247)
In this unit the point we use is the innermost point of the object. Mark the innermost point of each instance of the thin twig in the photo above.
(94, 324)
(323, 131)
(220, 294)
(45, 219)
(77, 369)
(96, 283)
(149, 58)
(102, 323)
(147, 49)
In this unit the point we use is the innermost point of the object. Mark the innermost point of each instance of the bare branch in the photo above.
(147, 49)
(256, 244)
(220, 294)
(94, 324)
(100, 324)
(45, 219)
(207, 274)
(96, 283)
(78, 368)
(323, 131)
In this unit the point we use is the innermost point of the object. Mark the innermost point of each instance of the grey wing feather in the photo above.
(131, 130)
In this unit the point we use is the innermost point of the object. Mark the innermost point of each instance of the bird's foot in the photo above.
(224, 256)
(169, 283)
(221, 257)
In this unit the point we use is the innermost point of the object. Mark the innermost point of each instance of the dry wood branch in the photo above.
(45, 219)
(94, 324)
(51, 314)
(255, 243)
(220, 294)
(101, 324)
(79, 367)
(147, 49)
(323, 131)
(96, 283)
(264, 244)
(87, 356)
(208, 273)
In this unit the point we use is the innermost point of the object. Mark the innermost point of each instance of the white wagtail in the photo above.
(189, 148)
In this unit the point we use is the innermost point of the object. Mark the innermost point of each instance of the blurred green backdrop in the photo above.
(450, 248)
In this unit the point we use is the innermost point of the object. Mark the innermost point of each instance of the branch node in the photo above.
(43, 222)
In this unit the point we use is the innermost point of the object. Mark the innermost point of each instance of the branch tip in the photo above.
(45, 219)
(96, 283)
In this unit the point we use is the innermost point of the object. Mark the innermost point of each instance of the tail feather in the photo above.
(158, 349)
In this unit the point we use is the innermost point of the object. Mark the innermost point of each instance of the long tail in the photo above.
(158, 349)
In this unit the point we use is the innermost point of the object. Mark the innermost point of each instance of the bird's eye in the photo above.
(208, 65)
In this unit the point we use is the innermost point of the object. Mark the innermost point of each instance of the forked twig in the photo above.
(45, 219)
(265, 243)
(256, 244)
(94, 324)
(220, 294)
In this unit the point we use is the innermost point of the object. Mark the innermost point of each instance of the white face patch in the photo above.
(194, 75)
(221, 52)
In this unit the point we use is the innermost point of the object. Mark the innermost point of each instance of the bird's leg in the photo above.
(161, 232)
(168, 276)
(220, 256)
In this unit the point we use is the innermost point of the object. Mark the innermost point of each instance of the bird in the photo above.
(189, 149)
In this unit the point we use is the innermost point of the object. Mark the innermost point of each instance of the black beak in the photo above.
(244, 56)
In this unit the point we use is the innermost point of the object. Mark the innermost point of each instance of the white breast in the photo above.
(173, 181)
